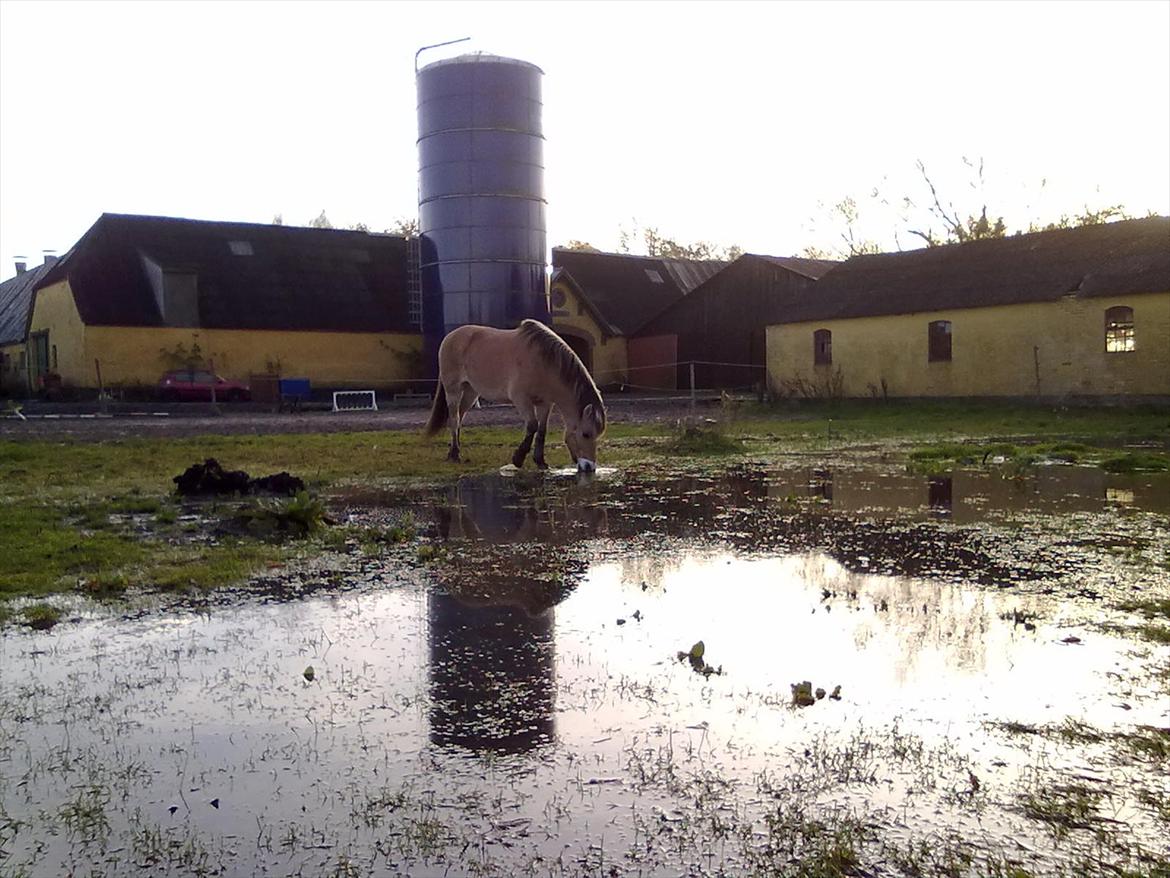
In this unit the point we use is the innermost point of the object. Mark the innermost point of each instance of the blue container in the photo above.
(481, 195)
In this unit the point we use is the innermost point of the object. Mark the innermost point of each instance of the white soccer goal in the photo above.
(354, 401)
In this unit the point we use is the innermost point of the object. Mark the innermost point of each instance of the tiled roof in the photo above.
(629, 290)
(1112, 259)
(248, 276)
(813, 268)
(16, 298)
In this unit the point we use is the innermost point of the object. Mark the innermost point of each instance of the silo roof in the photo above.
(480, 58)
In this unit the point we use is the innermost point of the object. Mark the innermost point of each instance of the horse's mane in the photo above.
(566, 363)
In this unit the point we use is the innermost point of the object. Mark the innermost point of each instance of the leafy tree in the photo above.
(278, 220)
(657, 244)
(321, 222)
(407, 227)
(846, 214)
(1087, 217)
(574, 244)
(936, 220)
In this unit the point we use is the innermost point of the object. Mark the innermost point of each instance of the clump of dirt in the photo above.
(208, 478)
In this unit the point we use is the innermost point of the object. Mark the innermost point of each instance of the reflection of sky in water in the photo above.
(897, 648)
(522, 687)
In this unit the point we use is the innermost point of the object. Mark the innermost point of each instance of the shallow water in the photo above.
(521, 705)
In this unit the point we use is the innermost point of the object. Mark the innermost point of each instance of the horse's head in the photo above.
(582, 437)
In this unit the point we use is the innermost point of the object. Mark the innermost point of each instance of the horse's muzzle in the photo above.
(585, 466)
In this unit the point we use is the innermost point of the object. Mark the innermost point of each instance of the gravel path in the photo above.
(80, 423)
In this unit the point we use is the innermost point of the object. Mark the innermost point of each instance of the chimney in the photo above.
(50, 256)
(21, 265)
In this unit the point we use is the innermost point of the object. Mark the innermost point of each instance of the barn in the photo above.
(599, 301)
(719, 328)
(139, 294)
(1069, 312)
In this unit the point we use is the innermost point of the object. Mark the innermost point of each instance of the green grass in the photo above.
(1136, 462)
(64, 505)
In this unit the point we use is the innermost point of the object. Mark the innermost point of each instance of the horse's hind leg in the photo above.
(542, 413)
(530, 426)
(457, 405)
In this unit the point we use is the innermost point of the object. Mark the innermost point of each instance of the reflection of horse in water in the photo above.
(531, 367)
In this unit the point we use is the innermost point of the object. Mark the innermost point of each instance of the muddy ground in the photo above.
(827, 668)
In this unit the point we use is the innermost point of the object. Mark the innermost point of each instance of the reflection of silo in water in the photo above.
(492, 663)
(481, 195)
(492, 676)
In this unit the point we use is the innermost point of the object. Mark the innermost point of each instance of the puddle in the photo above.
(518, 705)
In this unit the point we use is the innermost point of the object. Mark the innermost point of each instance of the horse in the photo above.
(531, 367)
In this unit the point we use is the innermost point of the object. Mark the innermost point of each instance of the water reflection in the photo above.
(940, 495)
(972, 496)
(492, 656)
(492, 675)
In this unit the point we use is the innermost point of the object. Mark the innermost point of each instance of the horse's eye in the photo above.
(586, 436)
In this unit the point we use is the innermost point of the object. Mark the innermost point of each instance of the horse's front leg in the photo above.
(522, 449)
(542, 414)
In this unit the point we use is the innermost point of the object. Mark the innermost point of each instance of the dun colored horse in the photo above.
(531, 367)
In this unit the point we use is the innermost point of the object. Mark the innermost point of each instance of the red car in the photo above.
(195, 384)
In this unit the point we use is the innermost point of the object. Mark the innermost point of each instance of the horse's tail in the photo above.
(439, 414)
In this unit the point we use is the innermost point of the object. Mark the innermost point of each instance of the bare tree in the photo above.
(955, 229)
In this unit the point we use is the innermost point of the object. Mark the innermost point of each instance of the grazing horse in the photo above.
(533, 368)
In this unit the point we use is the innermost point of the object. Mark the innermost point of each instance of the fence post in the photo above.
(97, 365)
(692, 385)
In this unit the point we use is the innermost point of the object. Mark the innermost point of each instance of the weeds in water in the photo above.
(42, 617)
(1136, 462)
(704, 441)
(1151, 608)
(300, 515)
(104, 586)
(1153, 633)
(1063, 807)
(85, 815)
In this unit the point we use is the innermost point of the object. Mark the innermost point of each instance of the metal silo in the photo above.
(481, 195)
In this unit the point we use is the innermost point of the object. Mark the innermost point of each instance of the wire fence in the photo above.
(692, 375)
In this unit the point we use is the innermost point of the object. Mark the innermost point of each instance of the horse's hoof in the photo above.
(540, 464)
(517, 461)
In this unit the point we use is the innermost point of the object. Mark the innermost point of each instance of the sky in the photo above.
(735, 123)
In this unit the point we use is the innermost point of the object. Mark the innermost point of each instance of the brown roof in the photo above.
(16, 296)
(813, 268)
(285, 278)
(628, 290)
(1121, 258)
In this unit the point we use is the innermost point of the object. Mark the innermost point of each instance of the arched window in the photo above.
(823, 347)
(940, 341)
(1119, 329)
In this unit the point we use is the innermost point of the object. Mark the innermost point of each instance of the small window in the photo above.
(823, 347)
(940, 341)
(653, 275)
(240, 248)
(1119, 329)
